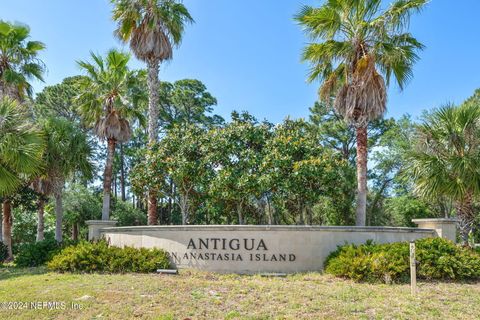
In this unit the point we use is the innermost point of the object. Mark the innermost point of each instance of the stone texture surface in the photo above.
(445, 228)
(285, 249)
(94, 227)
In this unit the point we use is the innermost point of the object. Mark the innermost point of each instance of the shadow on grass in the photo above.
(10, 271)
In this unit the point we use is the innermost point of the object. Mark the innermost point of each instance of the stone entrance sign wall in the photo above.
(253, 249)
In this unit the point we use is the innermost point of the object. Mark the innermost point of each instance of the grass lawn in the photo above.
(198, 295)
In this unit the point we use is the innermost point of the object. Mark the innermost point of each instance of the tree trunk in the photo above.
(40, 221)
(107, 179)
(1, 223)
(75, 231)
(115, 185)
(152, 82)
(7, 227)
(309, 215)
(152, 208)
(361, 176)
(58, 216)
(240, 213)
(184, 208)
(122, 173)
(270, 213)
(466, 215)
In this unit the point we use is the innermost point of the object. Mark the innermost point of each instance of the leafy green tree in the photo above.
(59, 100)
(21, 149)
(360, 46)
(105, 104)
(80, 204)
(445, 159)
(298, 170)
(19, 60)
(152, 28)
(187, 102)
(127, 215)
(180, 157)
(401, 209)
(236, 152)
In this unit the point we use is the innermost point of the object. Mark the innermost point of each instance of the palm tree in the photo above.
(21, 148)
(153, 28)
(105, 104)
(43, 187)
(445, 159)
(18, 61)
(361, 47)
(68, 151)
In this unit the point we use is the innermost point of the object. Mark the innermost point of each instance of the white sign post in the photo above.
(413, 269)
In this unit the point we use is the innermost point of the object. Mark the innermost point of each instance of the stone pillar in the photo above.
(445, 228)
(94, 227)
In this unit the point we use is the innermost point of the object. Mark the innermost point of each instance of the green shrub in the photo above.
(36, 253)
(437, 259)
(3, 251)
(100, 257)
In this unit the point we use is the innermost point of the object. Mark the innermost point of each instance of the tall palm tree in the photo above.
(361, 46)
(445, 159)
(153, 28)
(68, 151)
(21, 148)
(19, 61)
(106, 104)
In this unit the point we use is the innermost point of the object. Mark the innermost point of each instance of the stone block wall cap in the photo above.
(438, 220)
(101, 222)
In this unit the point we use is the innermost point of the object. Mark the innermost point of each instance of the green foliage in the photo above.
(36, 253)
(100, 257)
(109, 79)
(402, 209)
(20, 62)
(127, 215)
(25, 227)
(81, 204)
(437, 259)
(186, 102)
(3, 251)
(21, 146)
(59, 100)
(151, 27)
(445, 159)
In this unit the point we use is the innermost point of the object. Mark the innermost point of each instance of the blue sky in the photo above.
(248, 52)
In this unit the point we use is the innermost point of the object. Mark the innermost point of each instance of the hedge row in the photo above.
(100, 257)
(437, 258)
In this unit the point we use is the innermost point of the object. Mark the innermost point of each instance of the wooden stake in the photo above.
(413, 269)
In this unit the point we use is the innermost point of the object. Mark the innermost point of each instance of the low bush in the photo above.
(3, 252)
(437, 258)
(36, 253)
(100, 257)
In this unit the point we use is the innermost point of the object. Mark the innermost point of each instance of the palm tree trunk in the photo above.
(107, 179)
(122, 173)
(361, 176)
(152, 82)
(184, 208)
(152, 208)
(7, 227)
(58, 216)
(466, 214)
(41, 220)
